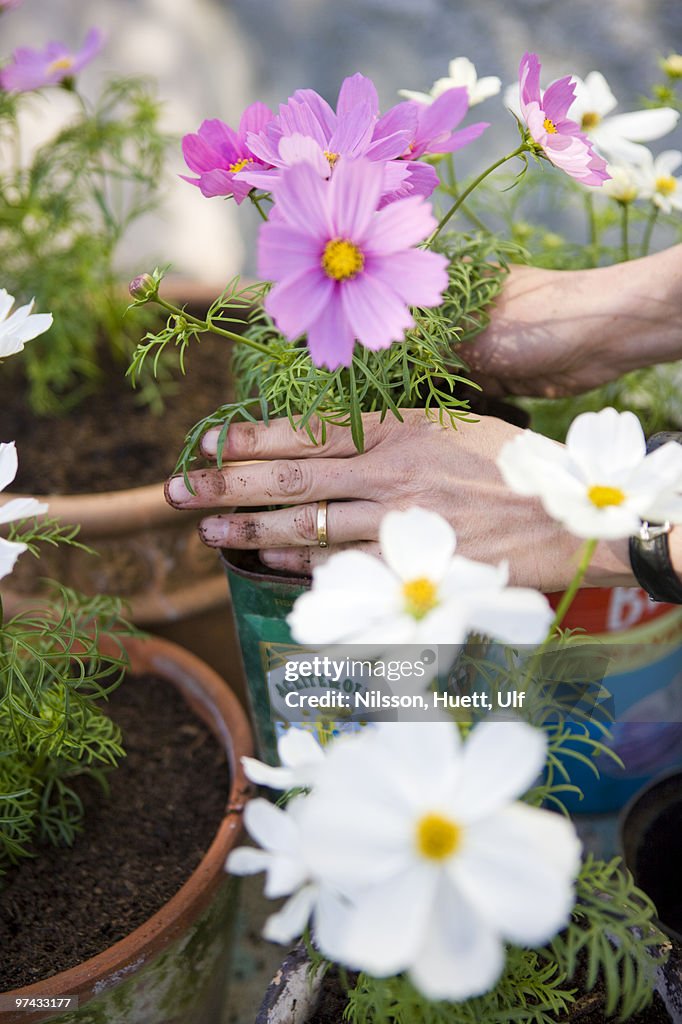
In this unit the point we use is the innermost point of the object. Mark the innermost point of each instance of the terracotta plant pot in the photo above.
(173, 968)
(148, 553)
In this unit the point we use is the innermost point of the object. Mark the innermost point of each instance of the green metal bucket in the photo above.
(261, 601)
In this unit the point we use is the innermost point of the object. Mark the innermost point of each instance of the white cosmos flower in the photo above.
(20, 326)
(17, 508)
(656, 181)
(439, 862)
(301, 756)
(288, 873)
(421, 593)
(616, 135)
(461, 72)
(601, 484)
(623, 185)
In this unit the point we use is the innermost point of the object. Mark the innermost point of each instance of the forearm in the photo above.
(561, 332)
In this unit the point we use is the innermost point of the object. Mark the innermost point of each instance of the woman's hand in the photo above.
(414, 463)
(561, 332)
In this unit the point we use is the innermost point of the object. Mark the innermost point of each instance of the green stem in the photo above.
(212, 328)
(453, 174)
(624, 230)
(649, 230)
(568, 595)
(564, 604)
(523, 148)
(256, 203)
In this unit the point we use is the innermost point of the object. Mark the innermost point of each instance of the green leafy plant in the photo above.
(57, 666)
(63, 213)
(274, 378)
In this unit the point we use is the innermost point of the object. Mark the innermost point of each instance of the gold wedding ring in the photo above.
(322, 536)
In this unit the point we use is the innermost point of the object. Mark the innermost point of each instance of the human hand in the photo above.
(559, 332)
(418, 462)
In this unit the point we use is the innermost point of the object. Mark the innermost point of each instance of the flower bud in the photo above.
(143, 288)
(672, 65)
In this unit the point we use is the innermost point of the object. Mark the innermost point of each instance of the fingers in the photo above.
(297, 526)
(281, 482)
(278, 440)
(302, 561)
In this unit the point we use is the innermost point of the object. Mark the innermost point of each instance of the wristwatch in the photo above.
(649, 549)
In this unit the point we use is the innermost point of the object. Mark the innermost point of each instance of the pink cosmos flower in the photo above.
(10, 5)
(307, 129)
(34, 69)
(436, 122)
(217, 154)
(355, 129)
(562, 140)
(342, 270)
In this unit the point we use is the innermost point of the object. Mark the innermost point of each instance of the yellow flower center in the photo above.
(437, 837)
(342, 260)
(602, 496)
(235, 168)
(421, 595)
(331, 158)
(549, 126)
(590, 120)
(666, 185)
(61, 64)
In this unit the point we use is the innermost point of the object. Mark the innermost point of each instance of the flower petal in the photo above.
(21, 508)
(388, 923)
(377, 315)
(500, 762)
(9, 552)
(353, 197)
(399, 226)
(350, 592)
(331, 338)
(289, 922)
(303, 199)
(461, 956)
(356, 91)
(297, 302)
(247, 861)
(285, 252)
(558, 98)
(9, 463)
(417, 543)
(518, 868)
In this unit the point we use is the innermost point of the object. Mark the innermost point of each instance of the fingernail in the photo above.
(213, 531)
(176, 492)
(209, 442)
(275, 559)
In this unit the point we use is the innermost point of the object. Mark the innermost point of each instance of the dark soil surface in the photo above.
(111, 442)
(139, 845)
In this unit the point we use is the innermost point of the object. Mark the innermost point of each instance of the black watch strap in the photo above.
(649, 550)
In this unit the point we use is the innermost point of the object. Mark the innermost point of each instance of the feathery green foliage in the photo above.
(62, 216)
(275, 378)
(54, 677)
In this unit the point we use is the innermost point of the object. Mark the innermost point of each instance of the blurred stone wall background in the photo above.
(212, 57)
